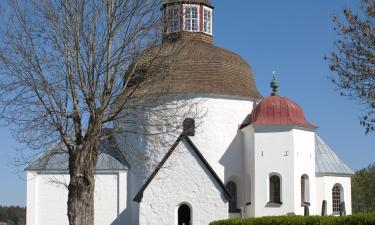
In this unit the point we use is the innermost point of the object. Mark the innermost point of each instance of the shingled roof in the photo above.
(56, 158)
(327, 162)
(190, 65)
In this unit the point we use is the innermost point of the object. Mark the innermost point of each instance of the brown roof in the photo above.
(195, 65)
(204, 2)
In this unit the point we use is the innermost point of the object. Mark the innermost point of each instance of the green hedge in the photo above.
(358, 219)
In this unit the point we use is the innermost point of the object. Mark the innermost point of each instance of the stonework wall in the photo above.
(183, 179)
(47, 198)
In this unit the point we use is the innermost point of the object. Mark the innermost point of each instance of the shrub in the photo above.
(358, 219)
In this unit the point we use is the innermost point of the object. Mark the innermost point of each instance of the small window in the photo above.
(275, 189)
(207, 20)
(305, 192)
(232, 189)
(191, 15)
(184, 215)
(173, 18)
(336, 199)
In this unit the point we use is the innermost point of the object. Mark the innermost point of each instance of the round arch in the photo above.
(184, 214)
(275, 190)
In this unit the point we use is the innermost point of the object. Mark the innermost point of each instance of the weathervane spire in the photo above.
(274, 84)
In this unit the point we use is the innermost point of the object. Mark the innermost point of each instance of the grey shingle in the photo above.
(56, 158)
(327, 162)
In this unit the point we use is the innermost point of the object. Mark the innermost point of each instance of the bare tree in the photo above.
(353, 58)
(71, 68)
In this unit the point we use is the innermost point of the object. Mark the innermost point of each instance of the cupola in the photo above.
(188, 18)
(278, 111)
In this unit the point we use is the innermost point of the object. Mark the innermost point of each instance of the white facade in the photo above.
(184, 179)
(47, 197)
(324, 185)
(286, 152)
(247, 157)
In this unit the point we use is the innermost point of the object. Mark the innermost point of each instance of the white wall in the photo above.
(304, 164)
(183, 179)
(324, 185)
(287, 152)
(269, 157)
(217, 137)
(217, 134)
(47, 197)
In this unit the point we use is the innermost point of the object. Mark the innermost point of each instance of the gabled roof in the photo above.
(56, 158)
(139, 196)
(327, 162)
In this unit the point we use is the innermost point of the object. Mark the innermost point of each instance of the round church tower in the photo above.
(220, 80)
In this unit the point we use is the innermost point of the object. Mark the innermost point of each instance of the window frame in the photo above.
(185, 6)
(232, 203)
(272, 197)
(337, 188)
(207, 23)
(171, 19)
(305, 189)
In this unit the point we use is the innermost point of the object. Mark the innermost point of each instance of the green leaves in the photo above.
(363, 187)
(358, 219)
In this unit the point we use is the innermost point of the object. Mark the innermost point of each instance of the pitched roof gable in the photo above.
(139, 196)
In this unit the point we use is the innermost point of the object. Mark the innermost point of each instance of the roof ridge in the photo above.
(138, 197)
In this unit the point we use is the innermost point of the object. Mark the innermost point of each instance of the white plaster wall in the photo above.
(47, 197)
(249, 167)
(269, 157)
(304, 164)
(324, 185)
(285, 151)
(31, 198)
(183, 179)
(217, 137)
(217, 134)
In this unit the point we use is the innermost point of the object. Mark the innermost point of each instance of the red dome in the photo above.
(276, 110)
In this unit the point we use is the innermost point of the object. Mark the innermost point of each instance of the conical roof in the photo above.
(327, 162)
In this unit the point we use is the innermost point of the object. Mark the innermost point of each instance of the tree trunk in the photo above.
(82, 164)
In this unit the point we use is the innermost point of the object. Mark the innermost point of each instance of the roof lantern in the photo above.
(190, 18)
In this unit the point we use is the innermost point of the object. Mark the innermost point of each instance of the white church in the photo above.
(250, 156)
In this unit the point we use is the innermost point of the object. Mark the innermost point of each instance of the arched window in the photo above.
(275, 189)
(305, 191)
(336, 199)
(184, 215)
(232, 188)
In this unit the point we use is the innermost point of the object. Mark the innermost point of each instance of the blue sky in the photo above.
(289, 36)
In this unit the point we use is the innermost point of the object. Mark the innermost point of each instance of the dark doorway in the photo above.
(184, 215)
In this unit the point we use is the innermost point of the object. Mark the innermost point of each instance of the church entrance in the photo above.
(184, 215)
